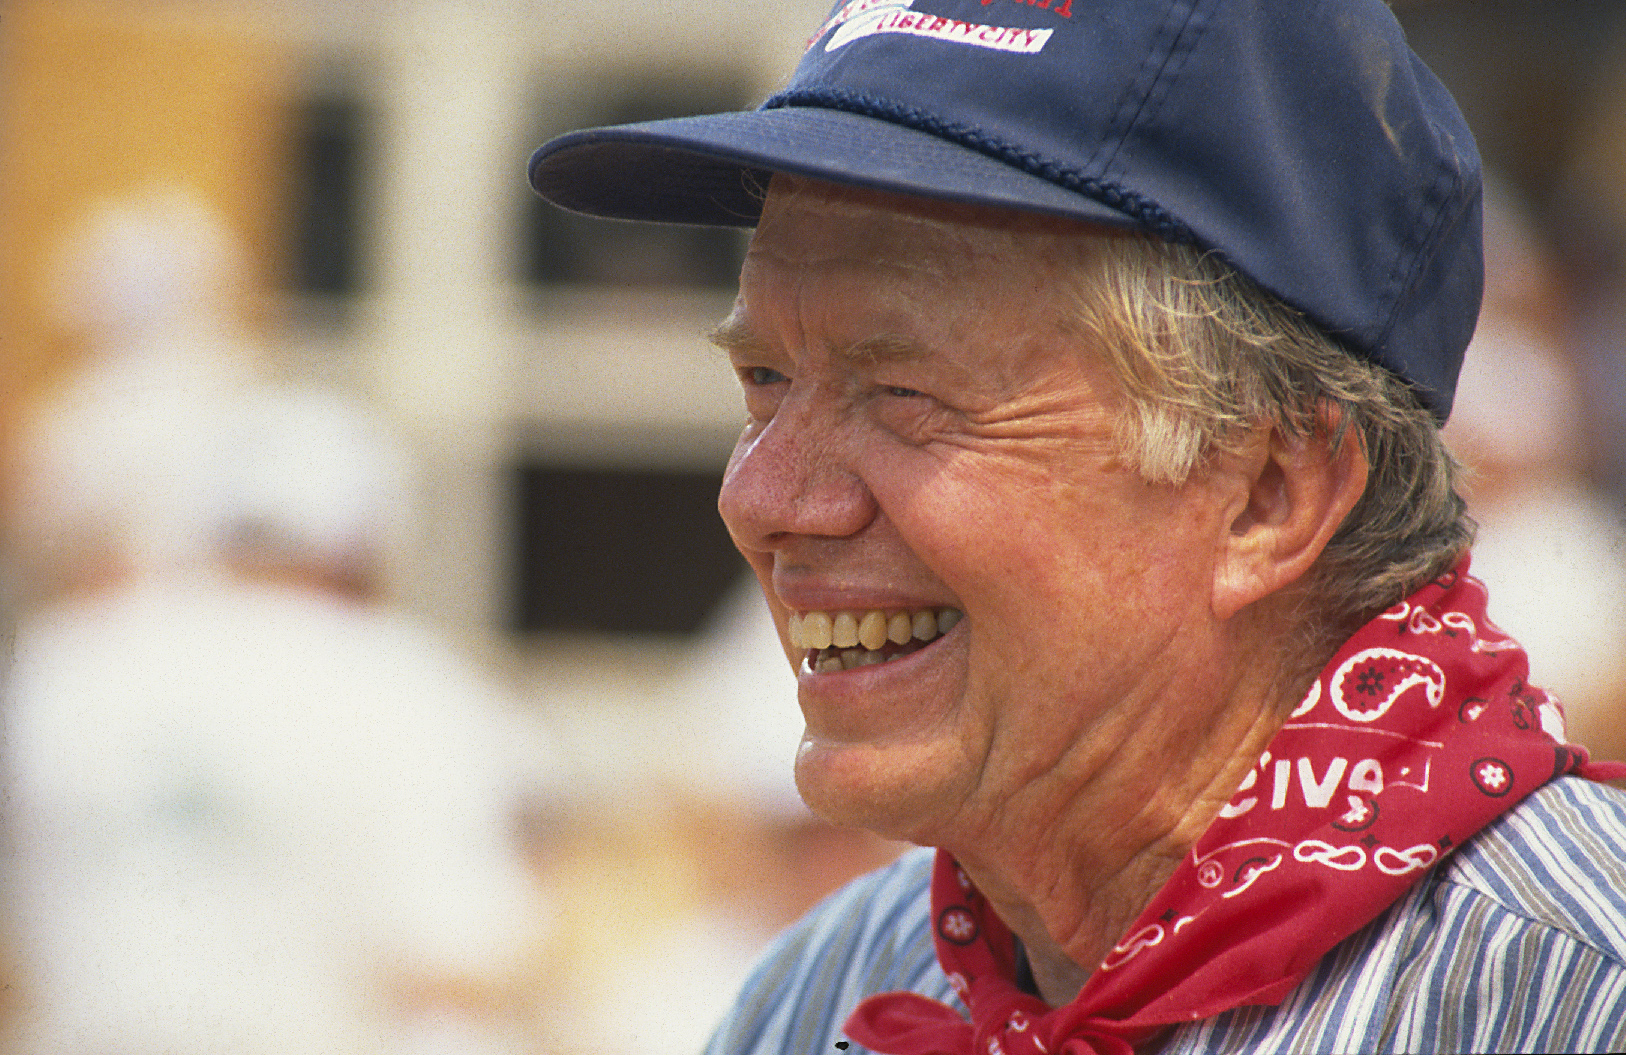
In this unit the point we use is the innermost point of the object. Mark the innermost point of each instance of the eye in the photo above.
(901, 392)
(763, 388)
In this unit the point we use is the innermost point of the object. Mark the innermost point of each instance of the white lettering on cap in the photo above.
(862, 19)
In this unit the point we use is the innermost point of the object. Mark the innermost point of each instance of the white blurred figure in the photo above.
(318, 492)
(251, 810)
(249, 820)
(1551, 545)
(119, 473)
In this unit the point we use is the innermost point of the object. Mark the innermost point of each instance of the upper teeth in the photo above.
(871, 629)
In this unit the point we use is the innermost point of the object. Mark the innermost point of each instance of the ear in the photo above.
(1297, 494)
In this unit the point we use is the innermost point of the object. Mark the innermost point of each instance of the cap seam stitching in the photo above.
(1147, 213)
(1403, 277)
(1130, 112)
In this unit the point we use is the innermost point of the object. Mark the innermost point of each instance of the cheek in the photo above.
(1046, 562)
(987, 527)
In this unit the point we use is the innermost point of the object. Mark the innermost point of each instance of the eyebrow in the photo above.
(734, 336)
(884, 348)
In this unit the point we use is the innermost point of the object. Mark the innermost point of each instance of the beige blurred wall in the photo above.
(104, 98)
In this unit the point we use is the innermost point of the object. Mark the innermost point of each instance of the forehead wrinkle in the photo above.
(909, 252)
(879, 252)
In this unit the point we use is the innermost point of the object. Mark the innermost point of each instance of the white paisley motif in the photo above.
(1504, 644)
(1411, 859)
(1145, 938)
(1419, 620)
(1398, 613)
(1254, 872)
(1424, 623)
(1460, 621)
(1418, 670)
(1258, 840)
(1344, 858)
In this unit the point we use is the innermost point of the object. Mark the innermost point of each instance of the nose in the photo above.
(792, 478)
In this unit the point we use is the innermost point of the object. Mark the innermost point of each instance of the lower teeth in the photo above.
(833, 660)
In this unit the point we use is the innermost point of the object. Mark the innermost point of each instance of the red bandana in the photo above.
(1420, 731)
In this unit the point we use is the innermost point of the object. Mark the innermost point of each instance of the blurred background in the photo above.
(381, 679)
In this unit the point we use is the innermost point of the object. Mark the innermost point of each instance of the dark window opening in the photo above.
(618, 551)
(328, 137)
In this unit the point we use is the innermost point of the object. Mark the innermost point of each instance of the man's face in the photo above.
(928, 434)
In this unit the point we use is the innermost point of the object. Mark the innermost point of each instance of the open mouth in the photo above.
(845, 640)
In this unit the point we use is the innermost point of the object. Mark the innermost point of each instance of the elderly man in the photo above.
(1094, 354)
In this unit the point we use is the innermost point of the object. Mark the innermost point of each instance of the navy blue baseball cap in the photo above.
(1302, 141)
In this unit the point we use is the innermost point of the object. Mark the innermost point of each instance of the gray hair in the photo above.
(1203, 354)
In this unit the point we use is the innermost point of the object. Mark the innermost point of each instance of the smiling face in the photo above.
(930, 447)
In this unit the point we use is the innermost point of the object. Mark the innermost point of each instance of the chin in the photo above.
(861, 786)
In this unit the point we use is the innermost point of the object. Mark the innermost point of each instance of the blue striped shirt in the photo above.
(1517, 942)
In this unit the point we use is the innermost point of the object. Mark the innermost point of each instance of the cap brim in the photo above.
(714, 169)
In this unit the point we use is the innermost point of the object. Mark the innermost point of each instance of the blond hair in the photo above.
(1203, 354)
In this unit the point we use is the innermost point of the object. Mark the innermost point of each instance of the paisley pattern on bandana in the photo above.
(1419, 732)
